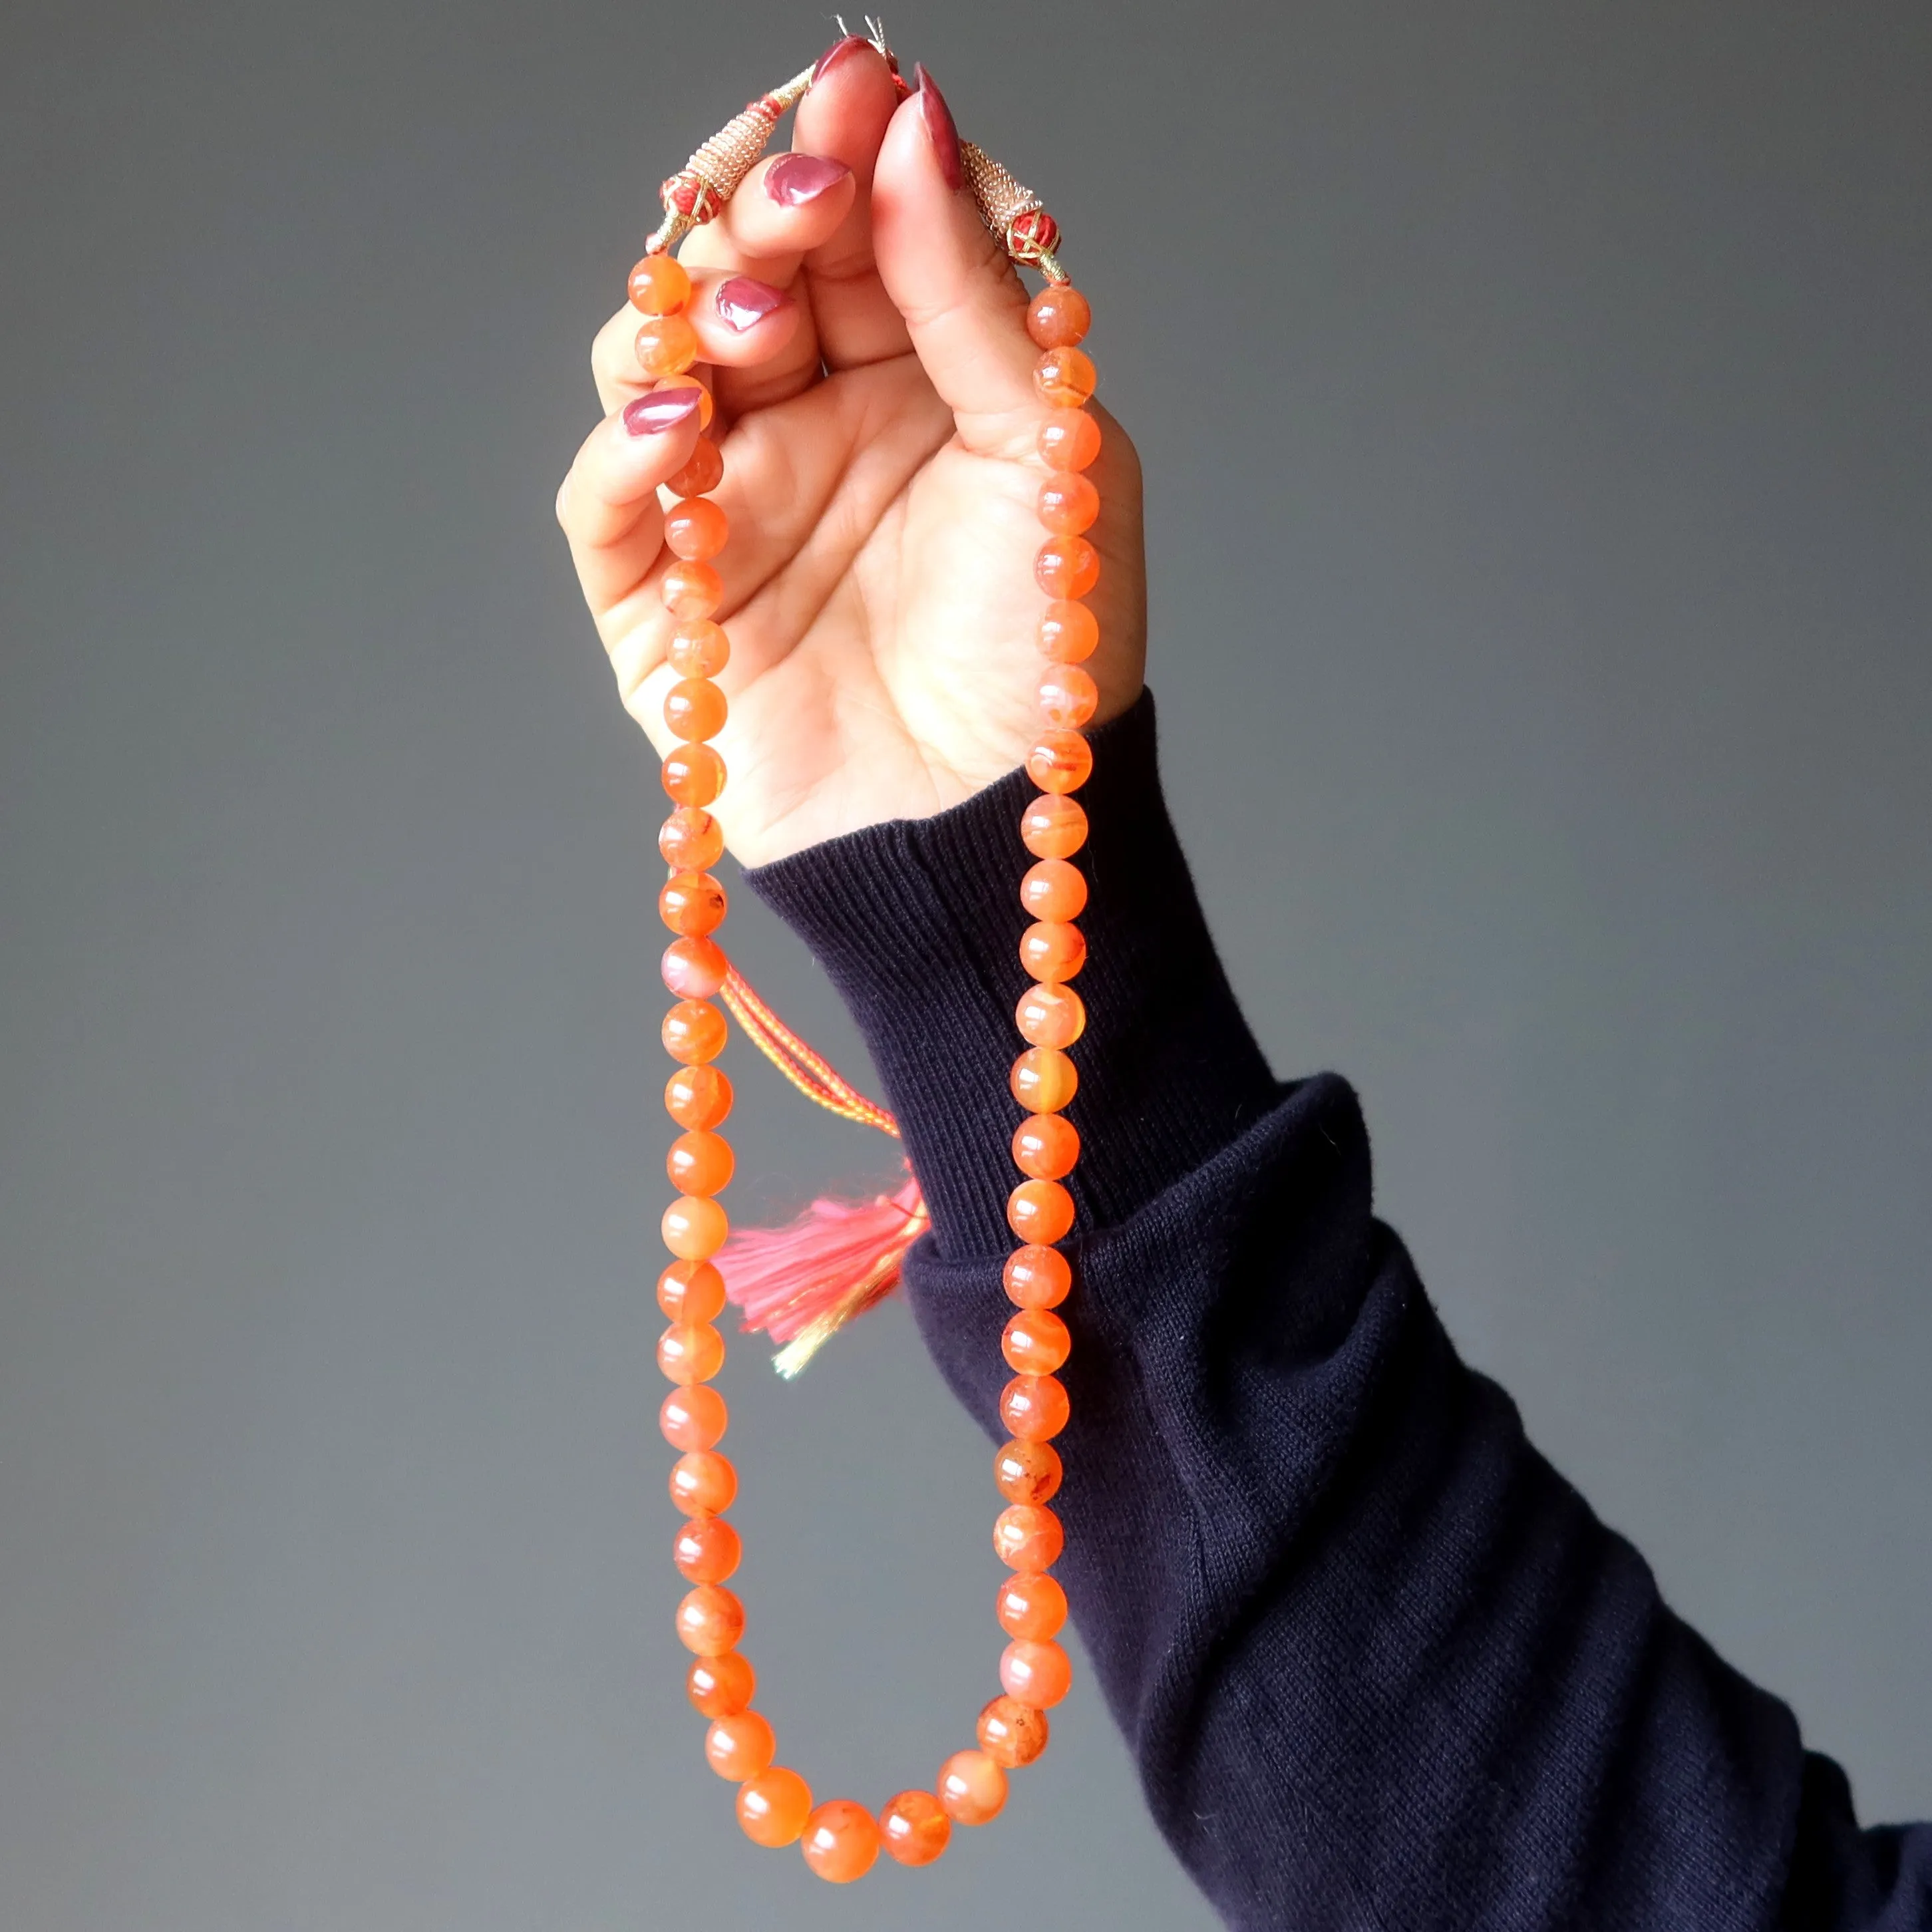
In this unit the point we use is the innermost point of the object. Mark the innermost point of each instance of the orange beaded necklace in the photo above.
(841, 1839)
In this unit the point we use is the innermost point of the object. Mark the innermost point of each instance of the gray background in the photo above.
(1535, 402)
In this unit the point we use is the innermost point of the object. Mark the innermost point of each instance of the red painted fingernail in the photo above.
(838, 51)
(793, 180)
(661, 410)
(744, 303)
(940, 129)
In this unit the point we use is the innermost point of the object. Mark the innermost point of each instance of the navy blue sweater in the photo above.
(1379, 1664)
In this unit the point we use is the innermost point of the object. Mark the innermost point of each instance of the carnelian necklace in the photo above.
(841, 1838)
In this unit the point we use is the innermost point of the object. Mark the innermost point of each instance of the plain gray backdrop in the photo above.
(1536, 406)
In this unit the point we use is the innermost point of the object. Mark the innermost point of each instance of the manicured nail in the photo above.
(839, 50)
(940, 129)
(661, 409)
(793, 180)
(744, 303)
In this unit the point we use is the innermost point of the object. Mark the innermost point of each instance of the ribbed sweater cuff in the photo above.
(918, 922)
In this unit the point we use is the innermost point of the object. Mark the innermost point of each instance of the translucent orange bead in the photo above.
(695, 1229)
(1043, 1079)
(699, 529)
(690, 840)
(688, 379)
(1053, 826)
(740, 1747)
(707, 1549)
(695, 1031)
(710, 1620)
(1069, 440)
(1051, 949)
(1037, 1277)
(1028, 1537)
(696, 590)
(1064, 377)
(915, 1828)
(1037, 1673)
(773, 1806)
(842, 1841)
(692, 1291)
(1069, 632)
(703, 1483)
(699, 649)
(1040, 1211)
(693, 1417)
(693, 904)
(691, 1352)
(1027, 1472)
(660, 285)
(694, 708)
(1031, 1606)
(1058, 316)
(1034, 1407)
(693, 969)
(1067, 504)
(701, 1163)
(720, 1687)
(703, 472)
(1035, 1342)
(1011, 1733)
(692, 774)
(971, 1788)
(1068, 697)
(1060, 761)
(667, 346)
(1066, 567)
(698, 1096)
(1051, 1016)
(1045, 1146)
(1051, 889)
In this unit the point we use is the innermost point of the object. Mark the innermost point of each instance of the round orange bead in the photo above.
(1011, 1733)
(691, 1352)
(1027, 1472)
(693, 1031)
(693, 969)
(692, 1291)
(1040, 1211)
(696, 590)
(740, 1747)
(1067, 567)
(842, 1841)
(1051, 949)
(1069, 632)
(660, 285)
(1069, 440)
(1028, 1537)
(1051, 890)
(699, 1163)
(693, 904)
(1037, 1277)
(1035, 1342)
(699, 529)
(1043, 1079)
(698, 1096)
(1067, 505)
(915, 1828)
(1034, 1407)
(699, 649)
(667, 346)
(1068, 697)
(694, 1228)
(971, 1788)
(1034, 1606)
(693, 1417)
(707, 1549)
(692, 774)
(690, 840)
(703, 1483)
(1060, 761)
(720, 1687)
(1064, 377)
(703, 472)
(1058, 316)
(1035, 1673)
(1053, 826)
(773, 1806)
(710, 1620)
(694, 708)
(689, 379)
(1051, 1016)
(1045, 1146)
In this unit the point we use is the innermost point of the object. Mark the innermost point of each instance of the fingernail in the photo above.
(663, 409)
(940, 129)
(793, 180)
(744, 303)
(839, 50)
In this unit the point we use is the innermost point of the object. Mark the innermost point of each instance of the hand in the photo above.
(866, 339)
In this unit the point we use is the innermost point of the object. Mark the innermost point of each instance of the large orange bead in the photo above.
(695, 1031)
(1051, 949)
(694, 1228)
(773, 1806)
(1045, 1146)
(690, 840)
(694, 708)
(698, 1096)
(667, 346)
(1060, 761)
(1034, 1407)
(1031, 1606)
(692, 1291)
(694, 969)
(699, 529)
(1040, 1211)
(1035, 1342)
(971, 1788)
(690, 379)
(692, 774)
(1011, 1733)
(915, 1828)
(710, 1620)
(1027, 1472)
(700, 648)
(1069, 632)
(1066, 567)
(1069, 440)
(1063, 377)
(1043, 1079)
(701, 1163)
(661, 285)
(1068, 697)
(692, 904)
(707, 1549)
(842, 1841)
(1037, 1673)
(695, 589)
(1053, 826)
(693, 1417)
(720, 1687)
(1037, 1277)
(1067, 504)
(1051, 1016)
(740, 1747)
(1052, 888)
(691, 1352)
(703, 1483)
(703, 473)
(1058, 316)
(1028, 1537)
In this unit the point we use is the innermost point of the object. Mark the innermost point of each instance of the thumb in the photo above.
(961, 298)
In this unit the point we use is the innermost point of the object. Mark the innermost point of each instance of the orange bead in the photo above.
(695, 1031)
(699, 1163)
(1011, 1733)
(660, 285)
(703, 472)
(695, 1229)
(1058, 316)
(1037, 1673)
(703, 1483)
(699, 649)
(691, 1352)
(698, 529)
(1053, 826)
(667, 346)
(1031, 1606)
(1040, 1211)
(693, 904)
(706, 406)
(842, 1841)
(1069, 632)
(1051, 1016)
(1045, 1146)
(720, 1687)
(710, 1620)
(1060, 761)
(1066, 567)
(1027, 1472)
(1034, 1407)
(707, 1549)
(914, 1828)
(773, 1806)
(1043, 1079)
(698, 1096)
(1068, 697)
(692, 774)
(690, 840)
(1051, 949)
(1067, 503)
(693, 1417)
(1051, 889)
(740, 1747)
(1028, 1537)
(694, 708)
(1069, 440)
(696, 590)
(1064, 377)
(1035, 1342)
(971, 1788)
(693, 969)
(1037, 1277)
(692, 1291)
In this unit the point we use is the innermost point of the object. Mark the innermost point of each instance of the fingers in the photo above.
(741, 321)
